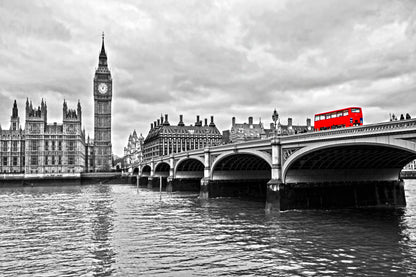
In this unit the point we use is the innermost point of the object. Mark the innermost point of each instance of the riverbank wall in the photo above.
(65, 179)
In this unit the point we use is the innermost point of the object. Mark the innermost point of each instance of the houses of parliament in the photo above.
(39, 147)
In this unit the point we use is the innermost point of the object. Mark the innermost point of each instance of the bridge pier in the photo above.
(169, 185)
(273, 196)
(204, 192)
(274, 185)
(170, 179)
(150, 182)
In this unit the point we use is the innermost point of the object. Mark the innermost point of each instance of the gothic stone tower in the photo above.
(103, 91)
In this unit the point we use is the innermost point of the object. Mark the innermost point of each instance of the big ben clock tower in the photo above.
(103, 91)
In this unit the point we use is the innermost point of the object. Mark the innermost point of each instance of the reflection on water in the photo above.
(113, 230)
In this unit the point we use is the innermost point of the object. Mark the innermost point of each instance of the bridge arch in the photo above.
(242, 164)
(136, 171)
(162, 169)
(359, 160)
(192, 167)
(146, 170)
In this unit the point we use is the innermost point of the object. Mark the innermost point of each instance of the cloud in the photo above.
(221, 58)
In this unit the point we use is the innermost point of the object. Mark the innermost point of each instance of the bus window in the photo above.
(317, 118)
(345, 112)
(322, 117)
(327, 116)
(333, 115)
(339, 114)
(355, 110)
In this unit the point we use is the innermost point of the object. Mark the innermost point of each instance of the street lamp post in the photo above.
(275, 117)
(273, 186)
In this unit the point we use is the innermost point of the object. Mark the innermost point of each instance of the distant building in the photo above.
(164, 139)
(410, 166)
(225, 136)
(133, 152)
(12, 145)
(251, 131)
(246, 131)
(291, 129)
(53, 148)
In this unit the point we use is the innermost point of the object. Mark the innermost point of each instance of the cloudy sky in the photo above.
(222, 58)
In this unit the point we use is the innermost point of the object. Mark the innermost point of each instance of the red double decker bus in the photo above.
(347, 117)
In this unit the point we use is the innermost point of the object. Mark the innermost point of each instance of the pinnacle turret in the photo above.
(15, 112)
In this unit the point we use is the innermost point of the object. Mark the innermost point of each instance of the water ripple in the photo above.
(113, 230)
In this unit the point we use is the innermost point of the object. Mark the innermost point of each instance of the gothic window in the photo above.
(53, 145)
(59, 160)
(34, 145)
(14, 146)
(4, 146)
(14, 161)
(53, 160)
(4, 161)
(71, 160)
(71, 146)
(60, 145)
(46, 145)
(46, 160)
(34, 160)
(14, 126)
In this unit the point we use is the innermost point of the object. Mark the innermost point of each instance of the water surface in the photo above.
(114, 230)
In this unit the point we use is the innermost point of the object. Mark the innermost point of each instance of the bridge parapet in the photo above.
(371, 129)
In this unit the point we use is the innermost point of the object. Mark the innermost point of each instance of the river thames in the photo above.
(114, 230)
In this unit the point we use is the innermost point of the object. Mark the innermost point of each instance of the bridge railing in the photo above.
(392, 126)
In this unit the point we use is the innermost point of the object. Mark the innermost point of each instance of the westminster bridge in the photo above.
(348, 167)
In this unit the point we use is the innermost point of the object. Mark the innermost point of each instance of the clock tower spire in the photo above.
(103, 92)
(103, 56)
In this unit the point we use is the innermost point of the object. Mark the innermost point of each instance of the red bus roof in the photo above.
(340, 110)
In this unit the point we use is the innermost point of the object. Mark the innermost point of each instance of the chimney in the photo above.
(181, 121)
(166, 122)
(250, 120)
(289, 122)
(206, 122)
(212, 124)
(198, 122)
(233, 121)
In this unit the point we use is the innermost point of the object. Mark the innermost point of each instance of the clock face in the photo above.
(102, 88)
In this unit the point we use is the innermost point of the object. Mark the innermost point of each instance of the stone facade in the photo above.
(12, 145)
(165, 139)
(53, 148)
(42, 147)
